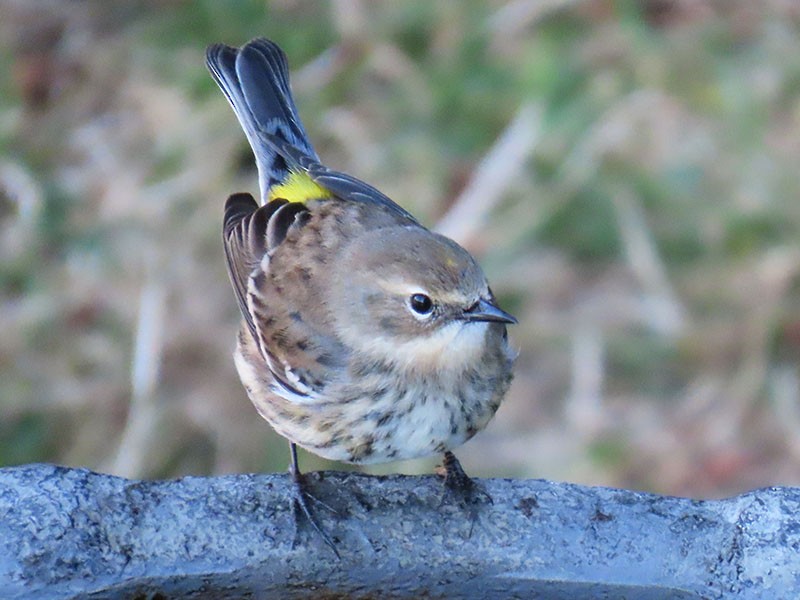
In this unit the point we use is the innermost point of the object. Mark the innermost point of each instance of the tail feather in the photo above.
(255, 80)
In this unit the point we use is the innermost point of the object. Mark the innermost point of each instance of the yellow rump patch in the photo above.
(298, 187)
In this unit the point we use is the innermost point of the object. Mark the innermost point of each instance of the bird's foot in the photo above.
(461, 490)
(459, 486)
(302, 500)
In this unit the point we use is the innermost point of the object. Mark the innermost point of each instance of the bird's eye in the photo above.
(421, 304)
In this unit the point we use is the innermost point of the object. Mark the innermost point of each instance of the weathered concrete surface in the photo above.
(68, 533)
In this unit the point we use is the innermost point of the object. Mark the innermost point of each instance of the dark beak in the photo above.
(484, 310)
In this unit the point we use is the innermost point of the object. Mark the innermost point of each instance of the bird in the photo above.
(365, 337)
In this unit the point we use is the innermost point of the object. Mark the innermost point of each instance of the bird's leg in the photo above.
(301, 499)
(461, 490)
(457, 483)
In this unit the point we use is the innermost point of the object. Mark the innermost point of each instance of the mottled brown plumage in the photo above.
(365, 337)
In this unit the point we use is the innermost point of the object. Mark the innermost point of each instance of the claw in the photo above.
(460, 489)
(300, 504)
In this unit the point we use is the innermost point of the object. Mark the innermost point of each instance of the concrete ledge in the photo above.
(68, 533)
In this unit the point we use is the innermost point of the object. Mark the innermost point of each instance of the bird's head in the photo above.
(415, 298)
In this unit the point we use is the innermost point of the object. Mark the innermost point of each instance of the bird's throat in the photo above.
(453, 347)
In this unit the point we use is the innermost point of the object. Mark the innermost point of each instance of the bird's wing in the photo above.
(281, 306)
(339, 185)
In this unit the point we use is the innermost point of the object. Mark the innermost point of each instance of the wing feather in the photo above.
(342, 186)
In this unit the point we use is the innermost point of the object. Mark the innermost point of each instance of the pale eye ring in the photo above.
(421, 305)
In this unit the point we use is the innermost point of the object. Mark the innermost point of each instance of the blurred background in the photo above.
(627, 173)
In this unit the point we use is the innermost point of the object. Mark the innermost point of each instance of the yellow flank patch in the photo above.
(298, 187)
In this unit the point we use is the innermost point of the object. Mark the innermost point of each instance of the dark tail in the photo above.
(255, 79)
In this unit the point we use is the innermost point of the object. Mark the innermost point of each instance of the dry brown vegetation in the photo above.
(627, 173)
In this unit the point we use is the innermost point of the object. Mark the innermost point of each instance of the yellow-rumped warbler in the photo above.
(366, 337)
